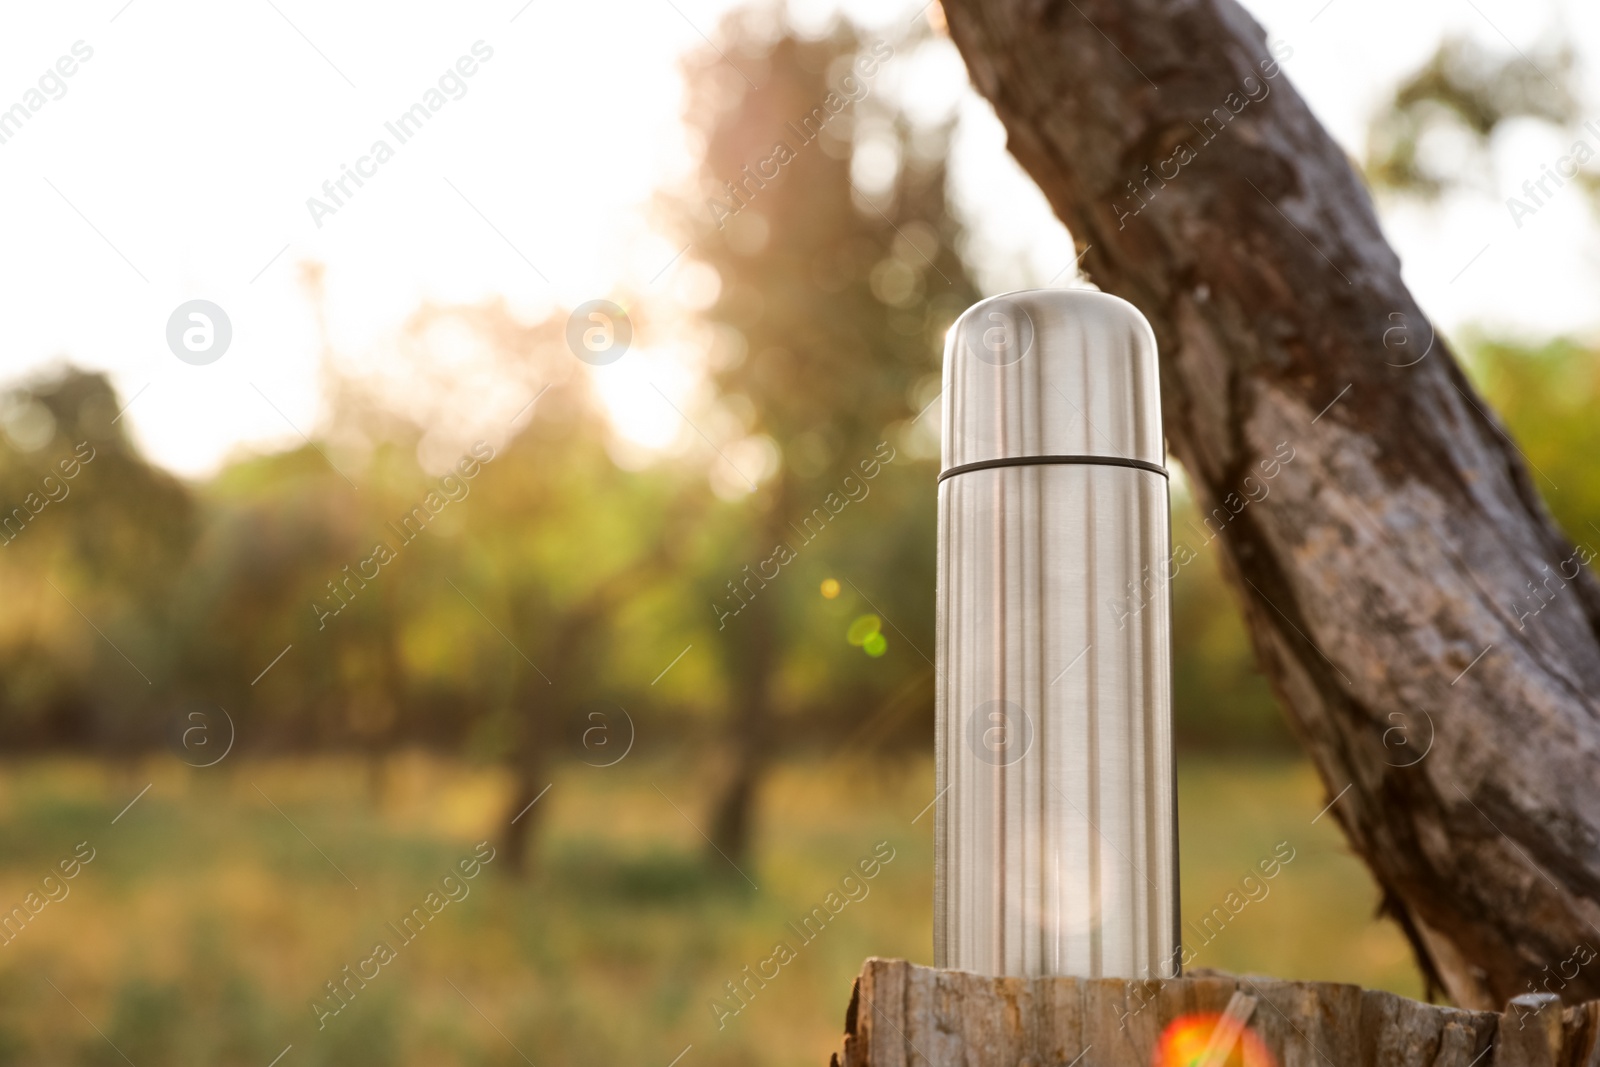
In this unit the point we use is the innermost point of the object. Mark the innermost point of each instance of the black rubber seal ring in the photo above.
(1035, 461)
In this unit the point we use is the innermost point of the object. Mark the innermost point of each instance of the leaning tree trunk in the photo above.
(1401, 578)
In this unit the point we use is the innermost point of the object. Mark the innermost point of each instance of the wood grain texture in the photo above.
(1405, 588)
(903, 1015)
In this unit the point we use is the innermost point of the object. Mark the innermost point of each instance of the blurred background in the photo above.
(439, 551)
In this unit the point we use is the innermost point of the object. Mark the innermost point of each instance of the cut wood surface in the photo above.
(1433, 636)
(903, 1015)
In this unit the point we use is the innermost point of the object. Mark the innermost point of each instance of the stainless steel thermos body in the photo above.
(1055, 837)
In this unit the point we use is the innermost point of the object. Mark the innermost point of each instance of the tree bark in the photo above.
(902, 1015)
(1430, 632)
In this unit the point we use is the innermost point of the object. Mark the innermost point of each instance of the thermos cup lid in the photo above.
(1062, 375)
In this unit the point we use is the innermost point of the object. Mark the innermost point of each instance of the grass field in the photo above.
(215, 909)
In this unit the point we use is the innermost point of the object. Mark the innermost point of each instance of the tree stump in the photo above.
(903, 1015)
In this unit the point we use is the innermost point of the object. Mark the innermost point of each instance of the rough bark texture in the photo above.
(1405, 588)
(901, 1015)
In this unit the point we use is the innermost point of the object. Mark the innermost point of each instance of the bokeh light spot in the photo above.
(1186, 1039)
(830, 587)
(864, 627)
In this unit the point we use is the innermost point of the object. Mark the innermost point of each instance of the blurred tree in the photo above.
(1548, 395)
(562, 541)
(91, 538)
(1463, 93)
(831, 314)
(469, 605)
(465, 603)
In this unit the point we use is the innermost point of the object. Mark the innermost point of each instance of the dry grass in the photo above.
(206, 923)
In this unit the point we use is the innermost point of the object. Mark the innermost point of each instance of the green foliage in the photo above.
(1220, 699)
(1546, 396)
(294, 594)
(1464, 94)
(553, 585)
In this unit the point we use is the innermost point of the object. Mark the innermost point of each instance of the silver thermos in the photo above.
(1055, 840)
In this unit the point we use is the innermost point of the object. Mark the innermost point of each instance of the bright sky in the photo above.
(177, 161)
